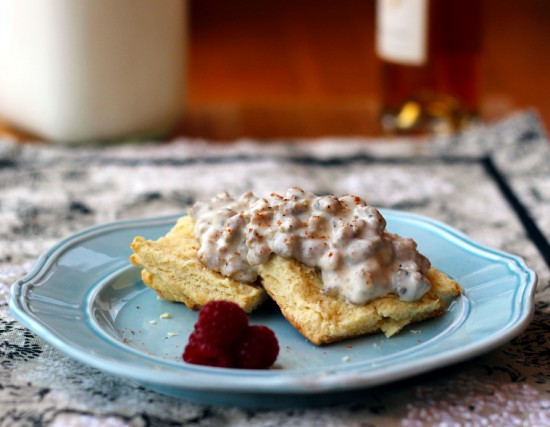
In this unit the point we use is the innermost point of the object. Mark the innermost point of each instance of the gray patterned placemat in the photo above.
(492, 183)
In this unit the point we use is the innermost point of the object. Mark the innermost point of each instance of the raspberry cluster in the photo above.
(223, 338)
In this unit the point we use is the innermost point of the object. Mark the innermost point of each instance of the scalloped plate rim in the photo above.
(272, 381)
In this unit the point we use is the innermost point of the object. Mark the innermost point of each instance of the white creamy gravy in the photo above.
(342, 236)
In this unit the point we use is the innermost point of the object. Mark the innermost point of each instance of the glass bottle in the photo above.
(429, 52)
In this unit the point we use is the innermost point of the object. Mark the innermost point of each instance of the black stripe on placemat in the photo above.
(7, 163)
(536, 235)
(296, 159)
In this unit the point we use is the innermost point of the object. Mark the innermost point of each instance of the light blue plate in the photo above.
(85, 298)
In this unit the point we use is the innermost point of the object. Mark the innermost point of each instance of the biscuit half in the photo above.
(325, 319)
(171, 267)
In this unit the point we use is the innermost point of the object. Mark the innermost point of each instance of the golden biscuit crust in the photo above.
(172, 269)
(325, 319)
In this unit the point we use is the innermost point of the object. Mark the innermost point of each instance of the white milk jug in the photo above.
(92, 70)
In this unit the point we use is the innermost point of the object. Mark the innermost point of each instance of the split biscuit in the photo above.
(323, 319)
(171, 267)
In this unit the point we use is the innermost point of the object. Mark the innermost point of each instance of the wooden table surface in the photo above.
(304, 68)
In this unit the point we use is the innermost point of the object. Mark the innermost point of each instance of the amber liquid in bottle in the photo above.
(437, 93)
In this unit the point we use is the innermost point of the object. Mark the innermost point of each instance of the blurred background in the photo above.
(304, 68)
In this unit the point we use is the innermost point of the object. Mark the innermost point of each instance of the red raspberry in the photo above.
(257, 349)
(201, 352)
(221, 323)
(223, 338)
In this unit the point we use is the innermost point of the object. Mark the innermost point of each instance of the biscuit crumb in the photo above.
(171, 334)
(345, 359)
(153, 322)
(166, 315)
